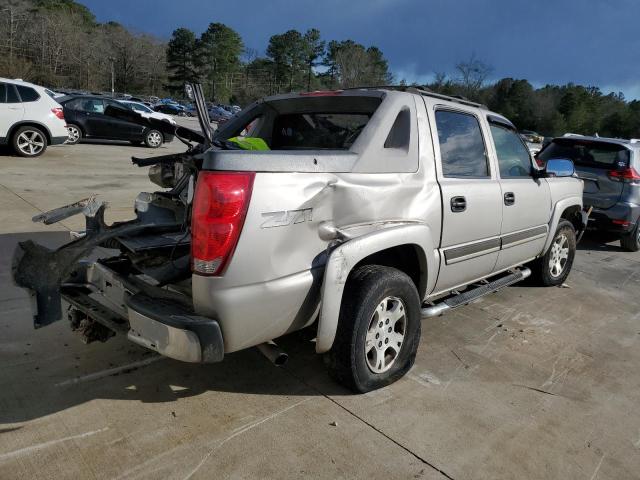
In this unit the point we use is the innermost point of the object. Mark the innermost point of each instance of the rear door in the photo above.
(471, 198)
(11, 110)
(526, 201)
(121, 129)
(89, 113)
(596, 163)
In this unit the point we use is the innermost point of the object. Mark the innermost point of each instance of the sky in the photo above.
(588, 42)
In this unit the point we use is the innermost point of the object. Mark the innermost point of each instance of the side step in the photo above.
(475, 293)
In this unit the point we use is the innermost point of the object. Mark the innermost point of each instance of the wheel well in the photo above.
(572, 214)
(406, 258)
(39, 126)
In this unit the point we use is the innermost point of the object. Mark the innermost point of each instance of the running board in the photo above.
(475, 293)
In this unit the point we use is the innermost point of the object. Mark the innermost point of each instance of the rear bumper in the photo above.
(173, 330)
(59, 140)
(621, 218)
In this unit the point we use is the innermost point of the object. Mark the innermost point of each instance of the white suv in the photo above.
(29, 118)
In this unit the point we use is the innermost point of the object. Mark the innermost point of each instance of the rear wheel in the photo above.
(29, 142)
(153, 139)
(378, 329)
(554, 267)
(631, 242)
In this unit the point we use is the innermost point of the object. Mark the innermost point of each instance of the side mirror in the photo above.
(559, 167)
(188, 90)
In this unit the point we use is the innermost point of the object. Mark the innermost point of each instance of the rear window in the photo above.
(332, 131)
(27, 94)
(588, 153)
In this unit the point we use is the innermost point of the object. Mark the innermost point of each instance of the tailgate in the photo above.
(600, 191)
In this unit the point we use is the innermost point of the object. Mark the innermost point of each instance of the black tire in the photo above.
(348, 361)
(75, 134)
(545, 271)
(29, 142)
(631, 242)
(153, 139)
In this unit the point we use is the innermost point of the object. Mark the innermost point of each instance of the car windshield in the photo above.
(588, 153)
(138, 107)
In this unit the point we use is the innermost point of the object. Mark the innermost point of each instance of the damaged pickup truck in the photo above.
(361, 211)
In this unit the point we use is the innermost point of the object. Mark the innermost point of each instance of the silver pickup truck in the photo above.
(358, 212)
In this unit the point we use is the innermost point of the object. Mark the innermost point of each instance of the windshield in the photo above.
(138, 107)
(587, 153)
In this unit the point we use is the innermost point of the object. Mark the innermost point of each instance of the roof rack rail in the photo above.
(422, 91)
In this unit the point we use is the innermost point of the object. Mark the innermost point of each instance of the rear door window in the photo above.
(91, 105)
(462, 148)
(332, 131)
(27, 94)
(8, 93)
(587, 153)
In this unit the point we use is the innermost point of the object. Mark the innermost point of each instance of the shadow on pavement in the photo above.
(53, 371)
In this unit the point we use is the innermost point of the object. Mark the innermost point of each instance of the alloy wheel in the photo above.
(31, 142)
(154, 139)
(559, 255)
(385, 334)
(74, 134)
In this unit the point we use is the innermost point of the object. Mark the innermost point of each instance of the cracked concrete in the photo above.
(527, 383)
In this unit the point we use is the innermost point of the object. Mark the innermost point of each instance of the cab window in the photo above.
(462, 147)
(8, 93)
(514, 158)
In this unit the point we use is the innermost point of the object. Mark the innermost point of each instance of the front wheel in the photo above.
(75, 134)
(153, 139)
(378, 329)
(554, 267)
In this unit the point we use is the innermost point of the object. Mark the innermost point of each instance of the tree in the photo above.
(313, 50)
(181, 59)
(472, 75)
(220, 48)
(288, 54)
(357, 66)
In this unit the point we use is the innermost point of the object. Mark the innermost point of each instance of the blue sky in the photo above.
(590, 42)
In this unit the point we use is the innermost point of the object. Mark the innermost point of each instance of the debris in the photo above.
(565, 285)
(334, 424)
(173, 414)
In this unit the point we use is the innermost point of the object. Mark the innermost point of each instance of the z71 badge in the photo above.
(286, 217)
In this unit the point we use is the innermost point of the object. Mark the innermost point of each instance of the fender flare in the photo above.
(343, 258)
(558, 210)
(23, 123)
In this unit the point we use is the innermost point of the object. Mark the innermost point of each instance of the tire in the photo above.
(75, 134)
(631, 242)
(554, 266)
(372, 328)
(29, 142)
(153, 139)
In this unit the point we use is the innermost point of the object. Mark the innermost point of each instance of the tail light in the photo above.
(219, 209)
(627, 175)
(58, 112)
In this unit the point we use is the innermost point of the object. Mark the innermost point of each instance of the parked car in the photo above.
(531, 136)
(86, 119)
(170, 109)
(219, 115)
(147, 112)
(30, 119)
(380, 207)
(610, 170)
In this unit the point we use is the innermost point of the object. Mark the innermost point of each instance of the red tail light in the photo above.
(626, 175)
(58, 112)
(219, 209)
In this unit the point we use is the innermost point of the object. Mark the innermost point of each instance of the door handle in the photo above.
(458, 204)
(509, 198)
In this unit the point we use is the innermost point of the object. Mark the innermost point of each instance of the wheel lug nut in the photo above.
(380, 325)
(377, 335)
(389, 329)
(379, 344)
(387, 322)
(386, 340)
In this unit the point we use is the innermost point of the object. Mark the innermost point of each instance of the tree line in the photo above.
(60, 44)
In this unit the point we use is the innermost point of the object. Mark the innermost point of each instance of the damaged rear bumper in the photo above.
(116, 294)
